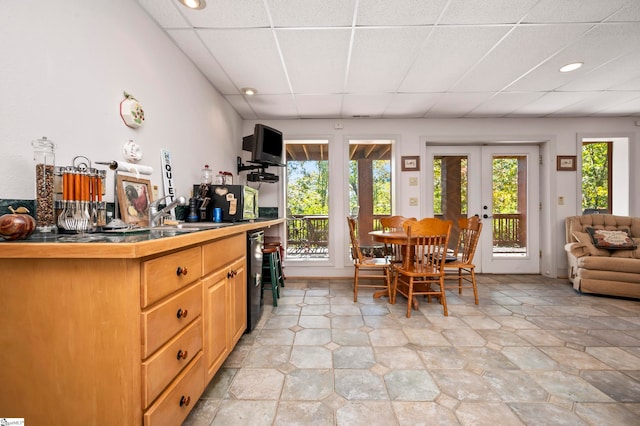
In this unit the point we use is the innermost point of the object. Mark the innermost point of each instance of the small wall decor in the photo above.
(131, 111)
(410, 163)
(134, 196)
(566, 163)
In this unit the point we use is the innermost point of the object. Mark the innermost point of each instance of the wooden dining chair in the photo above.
(375, 268)
(425, 274)
(393, 223)
(462, 268)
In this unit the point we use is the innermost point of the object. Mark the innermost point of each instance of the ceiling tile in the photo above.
(505, 103)
(595, 49)
(192, 46)
(628, 107)
(596, 102)
(249, 57)
(410, 104)
(554, 11)
(611, 75)
(229, 14)
(381, 57)
(273, 106)
(399, 12)
(239, 103)
(319, 106)
(630, 13)
(447, 55)
(165, 13)
(486, 11)
(312, 13)
(549, 103)
(508, 61)
(633, 84)
(372, 105)
(316, 60)
(456, 104)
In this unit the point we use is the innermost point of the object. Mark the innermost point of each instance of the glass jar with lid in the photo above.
(207, 175)
(44, 159)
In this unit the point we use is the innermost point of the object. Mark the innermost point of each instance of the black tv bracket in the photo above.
(254, 166)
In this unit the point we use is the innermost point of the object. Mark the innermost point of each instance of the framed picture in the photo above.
(566, 163)
(410, 164)
(134, 196)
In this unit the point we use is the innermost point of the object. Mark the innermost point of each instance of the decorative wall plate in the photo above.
(131, 111)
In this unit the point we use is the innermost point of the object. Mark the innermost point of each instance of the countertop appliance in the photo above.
(255, 241)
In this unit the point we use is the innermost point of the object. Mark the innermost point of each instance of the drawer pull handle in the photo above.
(181, 271)
(182, 354)
(232, 274)
(184, 401)
(181, 313)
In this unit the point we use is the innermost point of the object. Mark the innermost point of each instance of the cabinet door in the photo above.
(216, 308)
(238, 300)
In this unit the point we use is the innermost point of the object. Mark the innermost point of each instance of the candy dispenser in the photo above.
(44, 158)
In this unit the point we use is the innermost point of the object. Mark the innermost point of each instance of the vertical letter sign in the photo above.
(167, 177)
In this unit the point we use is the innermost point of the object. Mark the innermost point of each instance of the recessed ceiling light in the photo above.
(194, 4)
(249, 91)
(571, 67)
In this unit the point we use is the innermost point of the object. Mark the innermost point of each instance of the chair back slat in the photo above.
(431, 237)
(470, 229)
(356, 253)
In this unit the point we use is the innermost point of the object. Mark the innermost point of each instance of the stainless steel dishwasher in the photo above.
(255, 241)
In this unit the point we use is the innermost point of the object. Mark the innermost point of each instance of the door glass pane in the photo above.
(307, 199)
(509, 216)
(369, 185)
(450, 186)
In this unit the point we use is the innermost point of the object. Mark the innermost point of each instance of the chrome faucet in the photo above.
(154, 214)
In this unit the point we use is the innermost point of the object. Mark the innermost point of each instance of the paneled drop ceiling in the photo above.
(413, 58)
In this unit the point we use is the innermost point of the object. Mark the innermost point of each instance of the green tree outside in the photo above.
(595, 175)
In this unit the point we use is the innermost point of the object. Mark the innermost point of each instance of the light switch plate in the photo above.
(413, 181)
(413, 201)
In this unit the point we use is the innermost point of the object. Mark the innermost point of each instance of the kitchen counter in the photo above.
(119, 245)
(119, 329)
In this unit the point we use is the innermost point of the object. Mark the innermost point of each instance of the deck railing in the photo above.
(310, 233)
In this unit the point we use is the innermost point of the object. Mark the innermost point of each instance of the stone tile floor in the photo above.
(534, 351)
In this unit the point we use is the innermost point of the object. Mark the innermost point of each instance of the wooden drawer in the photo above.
(165, 320)
(161, 368)
(164, 275)
(221, 253)
(176, 402)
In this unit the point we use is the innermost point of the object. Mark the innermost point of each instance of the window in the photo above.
(597, 192)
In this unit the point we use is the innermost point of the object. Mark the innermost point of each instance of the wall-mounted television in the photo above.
(265, 145)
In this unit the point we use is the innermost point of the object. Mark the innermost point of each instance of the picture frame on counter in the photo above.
(134, 197)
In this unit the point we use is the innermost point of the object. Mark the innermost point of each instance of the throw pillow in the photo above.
(585, 239)
(611, 240)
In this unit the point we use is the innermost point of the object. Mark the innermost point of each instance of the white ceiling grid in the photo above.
(413, 58)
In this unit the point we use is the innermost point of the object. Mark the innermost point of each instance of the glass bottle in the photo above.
(44, 159)
(207, 175)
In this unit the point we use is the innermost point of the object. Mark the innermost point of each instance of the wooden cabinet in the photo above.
(118, 333)
(225, 299)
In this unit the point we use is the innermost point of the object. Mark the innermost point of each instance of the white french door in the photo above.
(499, 183)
